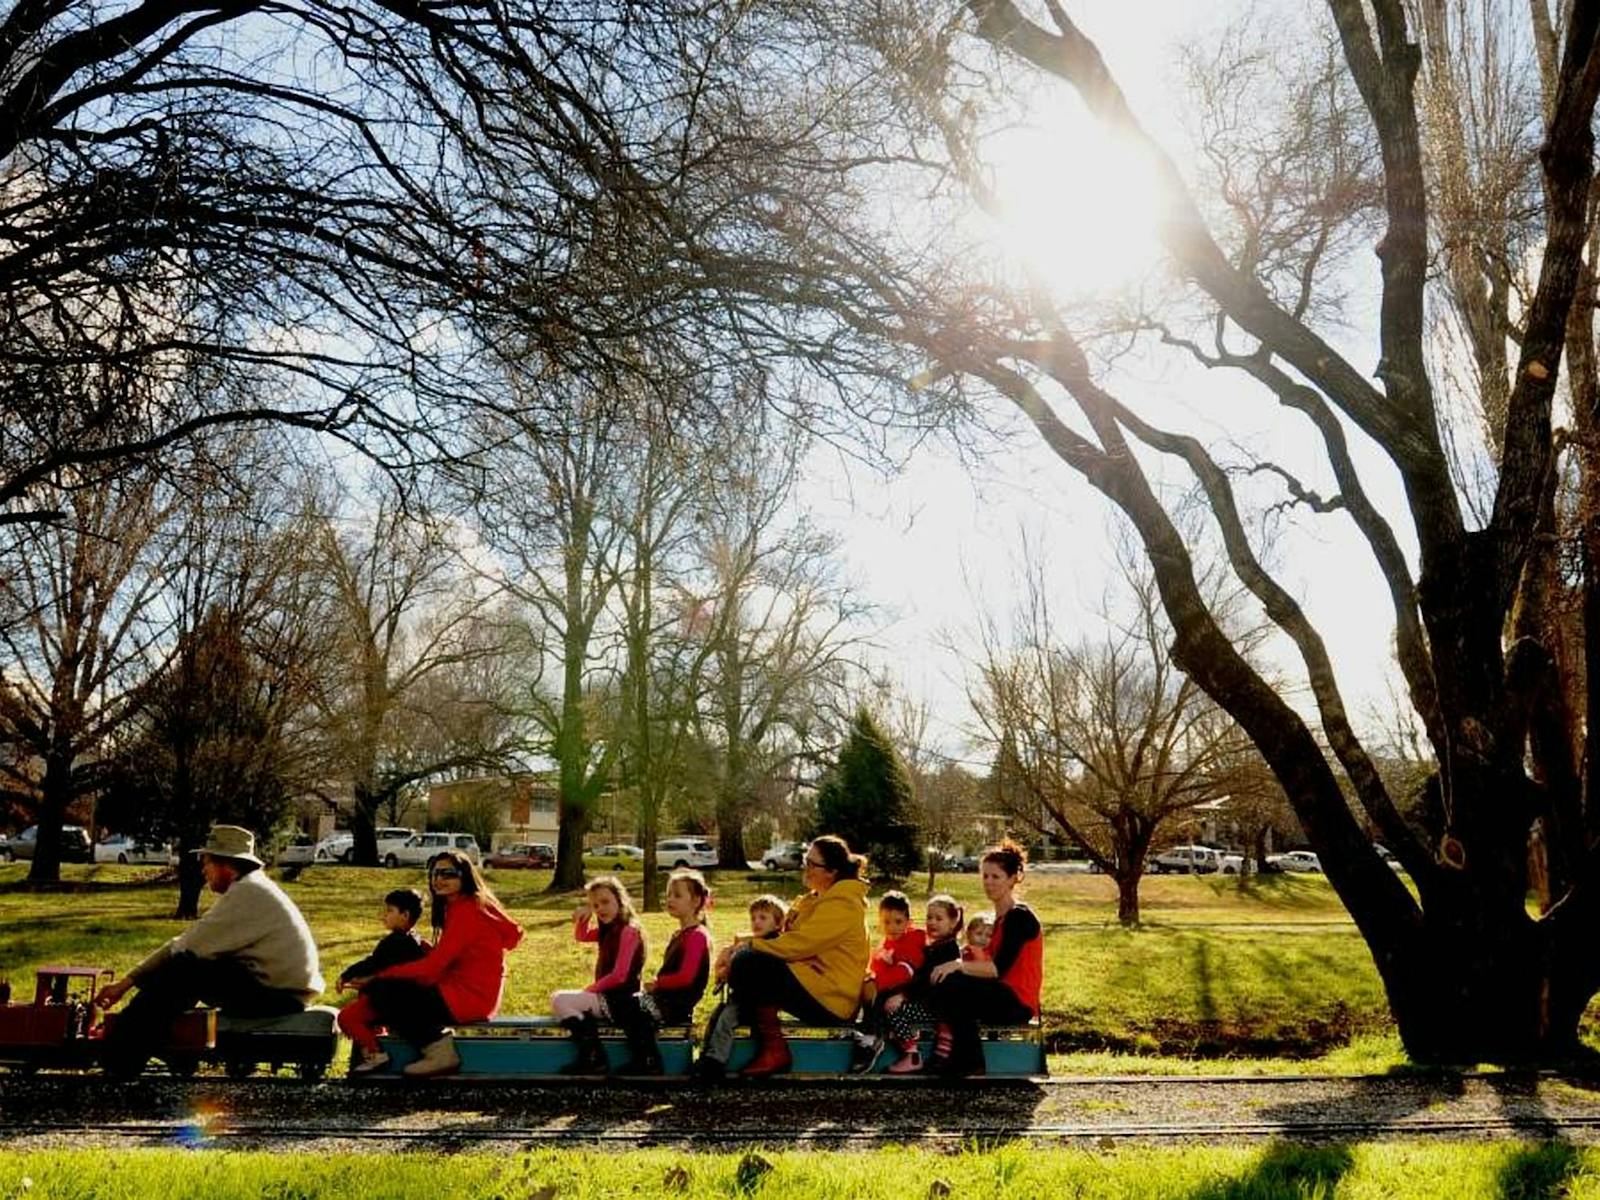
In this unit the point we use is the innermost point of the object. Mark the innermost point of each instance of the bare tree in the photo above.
(1468, 971)
(83, 628)
(408, 618)
(1105, 739)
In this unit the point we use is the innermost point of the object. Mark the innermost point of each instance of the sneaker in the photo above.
(868, 1049)
(438, 1058)
(370, 1063)
(908, 1063)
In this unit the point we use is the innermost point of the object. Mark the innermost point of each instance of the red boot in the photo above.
(772, 1049)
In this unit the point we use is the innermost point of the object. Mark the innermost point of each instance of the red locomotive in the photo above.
(61, 1029)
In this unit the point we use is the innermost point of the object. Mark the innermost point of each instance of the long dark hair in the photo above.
(836, 857)
(472, 884)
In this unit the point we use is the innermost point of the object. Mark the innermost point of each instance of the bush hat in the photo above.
(230, 841)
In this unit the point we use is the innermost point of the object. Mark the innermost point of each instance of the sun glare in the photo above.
(1078, 207)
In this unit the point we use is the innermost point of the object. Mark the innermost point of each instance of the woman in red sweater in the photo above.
(460, 979)
(1000, 990)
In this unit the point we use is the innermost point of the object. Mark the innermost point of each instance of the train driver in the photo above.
(251, 955)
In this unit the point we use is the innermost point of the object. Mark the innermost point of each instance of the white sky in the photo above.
(940, 540)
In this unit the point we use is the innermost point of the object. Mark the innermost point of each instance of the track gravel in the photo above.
(80, 1111)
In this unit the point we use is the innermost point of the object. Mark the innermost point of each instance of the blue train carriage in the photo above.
(538, 1048)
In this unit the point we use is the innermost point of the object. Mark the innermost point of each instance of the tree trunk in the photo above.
(1128, 894)
(191, 883)
(363, 828)
(1487, 991)
(55, 794)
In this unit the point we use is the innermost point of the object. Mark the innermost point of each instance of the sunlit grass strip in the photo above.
(1435, 1171)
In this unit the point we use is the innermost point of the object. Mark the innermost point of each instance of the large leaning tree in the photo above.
(876, 282)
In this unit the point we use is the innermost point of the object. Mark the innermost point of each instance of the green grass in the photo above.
(1494, 1171)
(1220, 973)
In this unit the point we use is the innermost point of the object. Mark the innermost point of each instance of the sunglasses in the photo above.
(447, 873)
(816, 864)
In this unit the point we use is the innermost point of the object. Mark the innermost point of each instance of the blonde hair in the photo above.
(610, 883)
(698, 888)
(771, 904)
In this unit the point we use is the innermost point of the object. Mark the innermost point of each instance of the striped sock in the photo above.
(944, 1041)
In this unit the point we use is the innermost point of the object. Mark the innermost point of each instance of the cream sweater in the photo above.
(254, 922)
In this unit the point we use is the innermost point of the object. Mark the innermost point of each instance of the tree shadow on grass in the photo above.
(1541, 1172)
(1283, 1170)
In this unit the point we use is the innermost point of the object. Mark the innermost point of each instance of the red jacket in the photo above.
(907, 950)
(468, 966)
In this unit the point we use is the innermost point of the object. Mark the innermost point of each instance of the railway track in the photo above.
(246, 1134)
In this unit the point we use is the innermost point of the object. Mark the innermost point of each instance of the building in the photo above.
(525, 805)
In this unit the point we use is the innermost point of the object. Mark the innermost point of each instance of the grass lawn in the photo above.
(1481, 1171)
(1220, 970)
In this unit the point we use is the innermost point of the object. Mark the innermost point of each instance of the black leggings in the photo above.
(757, 980)
(965, 1001)
(411, 1010)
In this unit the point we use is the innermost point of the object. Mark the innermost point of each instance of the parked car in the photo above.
(1230, 863)
(684, 852)
(336, 847)
(1198, 860)
(614, 858)
(300, 852)
(120, 848)
(522, 856)
(416, 850)
(1301, 861)
(783, 856)
(74, 844)
(5, 848)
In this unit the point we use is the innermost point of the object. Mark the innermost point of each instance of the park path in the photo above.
(60, 1110)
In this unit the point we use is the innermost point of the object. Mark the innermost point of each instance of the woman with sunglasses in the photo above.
(813, 969)
(460, 979)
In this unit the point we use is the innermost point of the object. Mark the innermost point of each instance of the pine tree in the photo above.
(867, 800)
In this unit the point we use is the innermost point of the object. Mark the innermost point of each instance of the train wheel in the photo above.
(311, 1072)
(239, 1068)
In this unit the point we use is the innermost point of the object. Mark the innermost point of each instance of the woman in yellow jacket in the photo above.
(813, 969)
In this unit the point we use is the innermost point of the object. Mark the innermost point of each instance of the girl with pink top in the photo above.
(671, 997)
(608, 920)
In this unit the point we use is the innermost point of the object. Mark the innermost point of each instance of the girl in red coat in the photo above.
(460, 980)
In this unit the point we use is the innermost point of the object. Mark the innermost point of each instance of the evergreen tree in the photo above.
(867, 800)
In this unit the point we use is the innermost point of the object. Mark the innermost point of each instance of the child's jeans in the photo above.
(719, 1033)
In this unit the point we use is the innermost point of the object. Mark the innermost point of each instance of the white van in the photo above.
(416, 850)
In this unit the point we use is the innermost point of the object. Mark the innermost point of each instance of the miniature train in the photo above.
(60, 1029)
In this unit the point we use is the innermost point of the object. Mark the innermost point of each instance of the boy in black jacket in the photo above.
(402, 909)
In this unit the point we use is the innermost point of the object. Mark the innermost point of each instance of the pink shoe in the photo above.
(907, 1064)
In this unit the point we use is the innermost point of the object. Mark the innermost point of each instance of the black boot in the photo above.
(644, 1053)
(591, 1058)
(708, 1070)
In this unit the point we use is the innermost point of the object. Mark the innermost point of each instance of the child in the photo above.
(402, 908)
(767, 915)
(681, 981)
(608, 920)
(907, 1013)
(979, 930)
(893, 968)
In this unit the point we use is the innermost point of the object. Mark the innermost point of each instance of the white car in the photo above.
(685, 852)
(341, 846)
(783, 856)
(1199, 860)
(416, 850)
(1232, 864)
(120, 848)
(1301, 861)
(300, 852)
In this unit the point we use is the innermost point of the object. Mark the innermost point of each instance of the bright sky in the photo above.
(943, 540)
